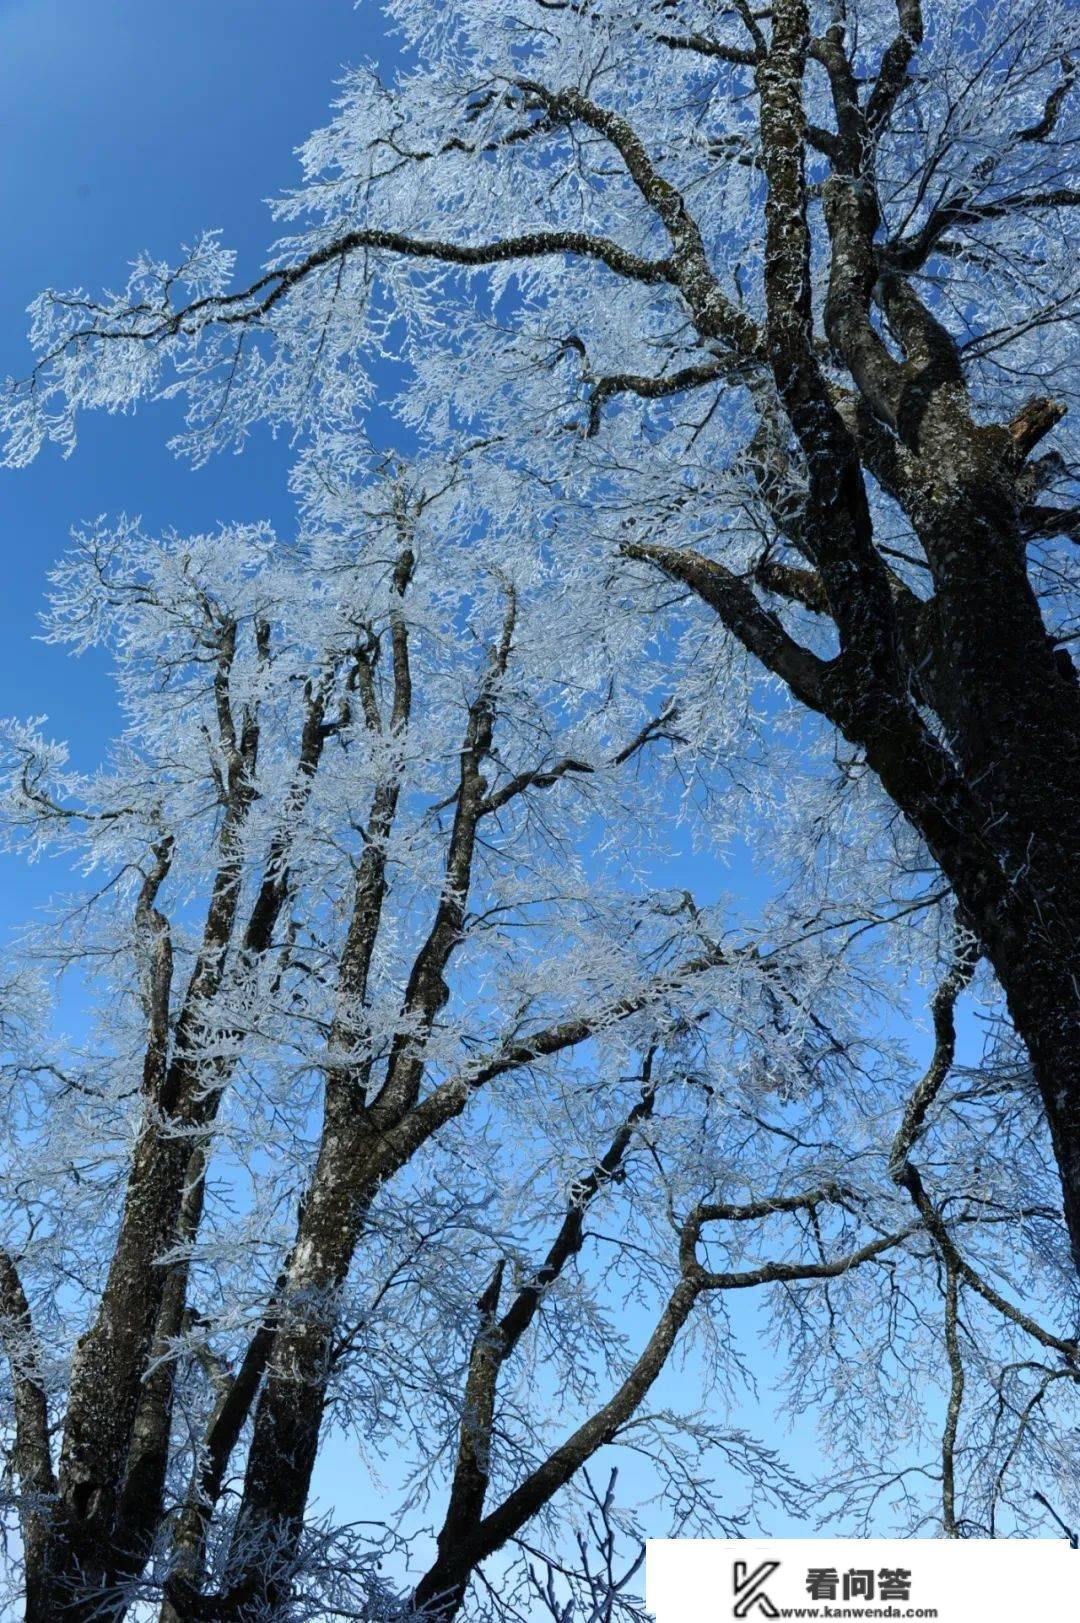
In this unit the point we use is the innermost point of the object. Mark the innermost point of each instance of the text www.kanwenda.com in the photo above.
(855, 1611)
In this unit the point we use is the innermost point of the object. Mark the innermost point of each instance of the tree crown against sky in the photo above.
(730, 338)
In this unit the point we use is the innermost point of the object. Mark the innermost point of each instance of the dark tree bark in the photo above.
(999, 805)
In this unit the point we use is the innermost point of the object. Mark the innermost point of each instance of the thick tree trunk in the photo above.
(81, 1554)
(1045, 1007)
(288, 1415)
(1009, 702)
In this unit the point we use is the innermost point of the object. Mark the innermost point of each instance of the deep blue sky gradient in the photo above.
(129, 125)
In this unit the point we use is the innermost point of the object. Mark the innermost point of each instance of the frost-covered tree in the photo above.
(412, 1104)
(409, 1103)
(778, 301)
(421, 1099)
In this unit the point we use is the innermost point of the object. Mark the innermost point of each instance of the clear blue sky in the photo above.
(131, 124)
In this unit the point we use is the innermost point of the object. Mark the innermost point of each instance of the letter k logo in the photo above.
(750, 1595)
